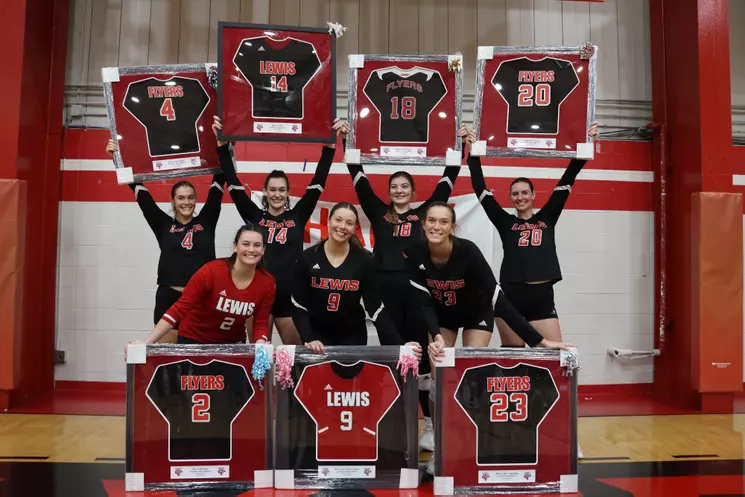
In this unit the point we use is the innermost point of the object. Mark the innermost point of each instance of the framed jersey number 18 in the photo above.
(408, 108)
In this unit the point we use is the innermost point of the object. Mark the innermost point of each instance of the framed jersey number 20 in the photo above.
(535, 101)
(404, 109)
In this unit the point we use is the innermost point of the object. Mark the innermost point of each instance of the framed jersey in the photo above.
(196, 418)
(350, 421)
(506, 422)
(276, 83)
(161, 118)
(405, 109)
(535, 101)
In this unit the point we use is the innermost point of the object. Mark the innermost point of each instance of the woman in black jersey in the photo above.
(331, 279)
(186, 240)
(285, 224)
(530, 265)
(456, 288)
(395, 226)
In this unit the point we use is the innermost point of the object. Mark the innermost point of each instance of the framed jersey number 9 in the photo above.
(501, 402)
(346, 420)
(200, 409)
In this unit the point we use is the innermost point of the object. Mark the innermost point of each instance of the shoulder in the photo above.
(311, 252)
(214, 268)
(466, 246)
(417, 250)
(361, 252)
(266, 277)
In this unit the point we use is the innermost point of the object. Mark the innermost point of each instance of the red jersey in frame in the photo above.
(162, 120)
(347, 404)
(534, 102)
(276, 83)
(405, 110)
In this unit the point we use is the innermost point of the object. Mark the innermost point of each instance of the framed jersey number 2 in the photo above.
(276, 83)
(161, 117)
(535, 101)
(404, 109)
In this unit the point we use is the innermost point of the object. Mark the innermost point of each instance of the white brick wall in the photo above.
(107, 274)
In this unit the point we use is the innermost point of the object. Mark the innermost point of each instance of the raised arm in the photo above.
(555, 203)
(213, 205)
(300, 301)
(248, 210)
(308, 201)
(371, 204)
(374, 308)
(493, 210)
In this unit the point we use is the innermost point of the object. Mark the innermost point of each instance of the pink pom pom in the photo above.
(407, 362)
(284, 369)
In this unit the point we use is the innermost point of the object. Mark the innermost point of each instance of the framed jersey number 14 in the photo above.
(535, 101)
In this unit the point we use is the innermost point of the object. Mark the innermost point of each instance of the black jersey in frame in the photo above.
(404, 99)
(200, 402)
(169, 111)
(507, 406)
(534, 91)
(278, 71)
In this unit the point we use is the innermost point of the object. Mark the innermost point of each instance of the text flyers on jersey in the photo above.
(161, 119)
(535, 101)
(197, 418)
(506, 421)
(404, 109)
(276, 83)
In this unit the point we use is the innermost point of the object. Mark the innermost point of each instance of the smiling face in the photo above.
(522, 197)
(401, 189)
(342, 223)
(184, 201)
(276, 193)
(249, 248)
(438, 224)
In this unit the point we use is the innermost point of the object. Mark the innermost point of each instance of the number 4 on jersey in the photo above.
(167, 111)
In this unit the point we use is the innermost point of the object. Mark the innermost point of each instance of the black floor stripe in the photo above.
(691, 456)
(26, 458)
(605, 459)
(118, 459)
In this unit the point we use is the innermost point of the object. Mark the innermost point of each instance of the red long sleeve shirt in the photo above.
(212, 310)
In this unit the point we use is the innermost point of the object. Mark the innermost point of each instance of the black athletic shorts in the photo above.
(534, 301)
(475, 318)
(165, 297)
(282, 307)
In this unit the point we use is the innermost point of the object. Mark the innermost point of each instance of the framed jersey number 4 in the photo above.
(535, 101)
(404, 109)
(161, 118)
(276, 83)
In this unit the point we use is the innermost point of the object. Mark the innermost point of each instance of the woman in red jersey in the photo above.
(222, 295)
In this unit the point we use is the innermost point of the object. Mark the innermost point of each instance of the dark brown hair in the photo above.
(243, 229)
(522, 180)
(392, 215)
(439, 203)
(346, 205)
(279, 175)
(179, 185)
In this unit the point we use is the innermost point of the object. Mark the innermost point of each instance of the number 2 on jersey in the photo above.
(167, 111)
(500, 404)
(408, 108)
(200, 409)
(539, 95)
